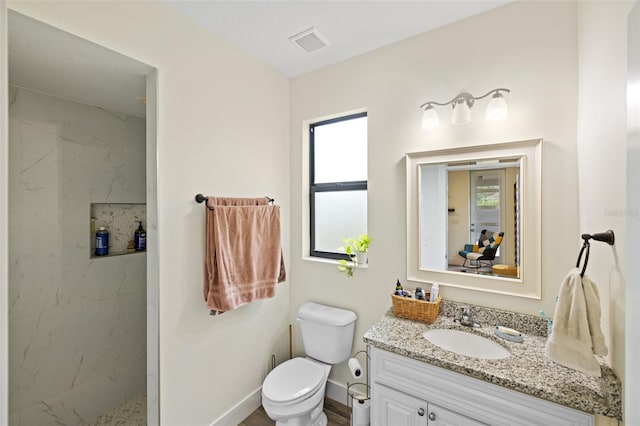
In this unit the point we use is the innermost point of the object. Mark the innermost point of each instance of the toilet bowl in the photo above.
(293, 392)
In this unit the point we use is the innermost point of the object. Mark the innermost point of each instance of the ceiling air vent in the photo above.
(309, 40)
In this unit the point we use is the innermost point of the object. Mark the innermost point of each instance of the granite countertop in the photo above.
(527, 370)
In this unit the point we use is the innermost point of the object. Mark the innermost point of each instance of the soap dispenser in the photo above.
(140, 238)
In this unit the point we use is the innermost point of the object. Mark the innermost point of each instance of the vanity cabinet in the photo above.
(408, 392)
(398, 408)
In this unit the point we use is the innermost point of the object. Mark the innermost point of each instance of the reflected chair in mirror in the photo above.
(483, 252)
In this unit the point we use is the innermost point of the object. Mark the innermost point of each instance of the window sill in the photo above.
(330, 261)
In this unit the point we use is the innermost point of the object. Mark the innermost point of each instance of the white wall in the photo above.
(433, 205)
(4, 216)
(210, 140)
(458, 221)
(602, 151)
(528, 47)
(632, 333)
(77, 325)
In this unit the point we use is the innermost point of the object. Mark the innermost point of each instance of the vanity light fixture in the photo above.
(462, 104)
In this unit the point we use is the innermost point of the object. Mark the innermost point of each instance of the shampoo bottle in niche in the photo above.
(102, 242)
(435, 289)
(140, 238)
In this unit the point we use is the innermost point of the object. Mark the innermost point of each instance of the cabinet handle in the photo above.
(421, 412)
(432, 416)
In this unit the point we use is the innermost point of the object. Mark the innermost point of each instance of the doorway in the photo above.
(78, 342)
(487, 203)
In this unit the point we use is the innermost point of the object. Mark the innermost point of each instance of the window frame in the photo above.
(327, 186)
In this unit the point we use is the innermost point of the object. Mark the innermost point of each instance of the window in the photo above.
(337, 183)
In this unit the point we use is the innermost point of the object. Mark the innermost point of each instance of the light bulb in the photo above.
(497, 109)
(430, 119)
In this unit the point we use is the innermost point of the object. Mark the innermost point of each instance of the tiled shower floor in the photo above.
(131, 413)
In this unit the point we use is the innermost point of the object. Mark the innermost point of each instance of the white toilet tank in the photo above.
(327, 332)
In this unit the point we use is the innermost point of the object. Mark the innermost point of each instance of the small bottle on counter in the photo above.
(399, 289)
(435, 289)
(419, 293)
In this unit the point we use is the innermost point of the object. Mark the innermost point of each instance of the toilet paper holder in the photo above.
(358, 392)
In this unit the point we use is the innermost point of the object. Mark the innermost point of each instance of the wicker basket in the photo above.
(414, 309)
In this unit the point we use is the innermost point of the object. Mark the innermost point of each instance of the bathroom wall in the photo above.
(602, 165)
(77, 326)
(505, 47)
(223, 129)
(632, 288)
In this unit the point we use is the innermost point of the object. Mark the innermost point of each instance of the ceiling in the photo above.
(49, 60)
(263, 28)
(52, 61)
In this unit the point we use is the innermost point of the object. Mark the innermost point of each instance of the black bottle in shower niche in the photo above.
(140, 238)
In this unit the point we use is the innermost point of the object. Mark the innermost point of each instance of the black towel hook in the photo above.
(606, 237)
(586, 246)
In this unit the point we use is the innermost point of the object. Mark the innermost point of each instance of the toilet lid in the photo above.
(293, 380)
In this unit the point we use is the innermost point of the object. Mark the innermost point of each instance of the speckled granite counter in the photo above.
(527, 370)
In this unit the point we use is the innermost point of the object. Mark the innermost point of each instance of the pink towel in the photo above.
(225, 201)
(243, 253)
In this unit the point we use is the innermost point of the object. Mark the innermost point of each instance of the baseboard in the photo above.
(241, 410)
(336, 391)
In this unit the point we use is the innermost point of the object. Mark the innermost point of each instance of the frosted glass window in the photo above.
(337, 183)
(338, 215)
(340, 151)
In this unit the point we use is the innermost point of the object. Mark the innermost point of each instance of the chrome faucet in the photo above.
(466, 319)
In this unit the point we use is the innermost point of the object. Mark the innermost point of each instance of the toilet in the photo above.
(293, 392)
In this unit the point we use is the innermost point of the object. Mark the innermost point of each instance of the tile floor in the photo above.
(134, 413)
(131, 413)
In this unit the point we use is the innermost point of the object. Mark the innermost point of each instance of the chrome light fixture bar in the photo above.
(462, 104)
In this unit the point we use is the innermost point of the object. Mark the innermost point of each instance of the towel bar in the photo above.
(201, 198)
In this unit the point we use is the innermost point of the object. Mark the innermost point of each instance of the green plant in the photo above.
(352, 246)
(348, 267)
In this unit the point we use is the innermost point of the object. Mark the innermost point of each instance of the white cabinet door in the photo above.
(393, 408)
(475, 400)
(439, 416)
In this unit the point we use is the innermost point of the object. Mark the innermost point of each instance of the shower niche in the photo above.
(121, 221)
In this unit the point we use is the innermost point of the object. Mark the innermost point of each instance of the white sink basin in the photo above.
(464, 343)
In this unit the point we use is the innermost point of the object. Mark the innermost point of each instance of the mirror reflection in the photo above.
(454, 194)
(469, 216)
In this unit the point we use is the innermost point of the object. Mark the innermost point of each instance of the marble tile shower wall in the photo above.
(77, 326)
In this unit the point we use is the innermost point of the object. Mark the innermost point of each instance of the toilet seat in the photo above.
(293, 381)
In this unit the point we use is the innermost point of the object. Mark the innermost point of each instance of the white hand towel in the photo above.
(576, 334)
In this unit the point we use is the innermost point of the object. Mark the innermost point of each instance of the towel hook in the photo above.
(606, 237)
(586, 246)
